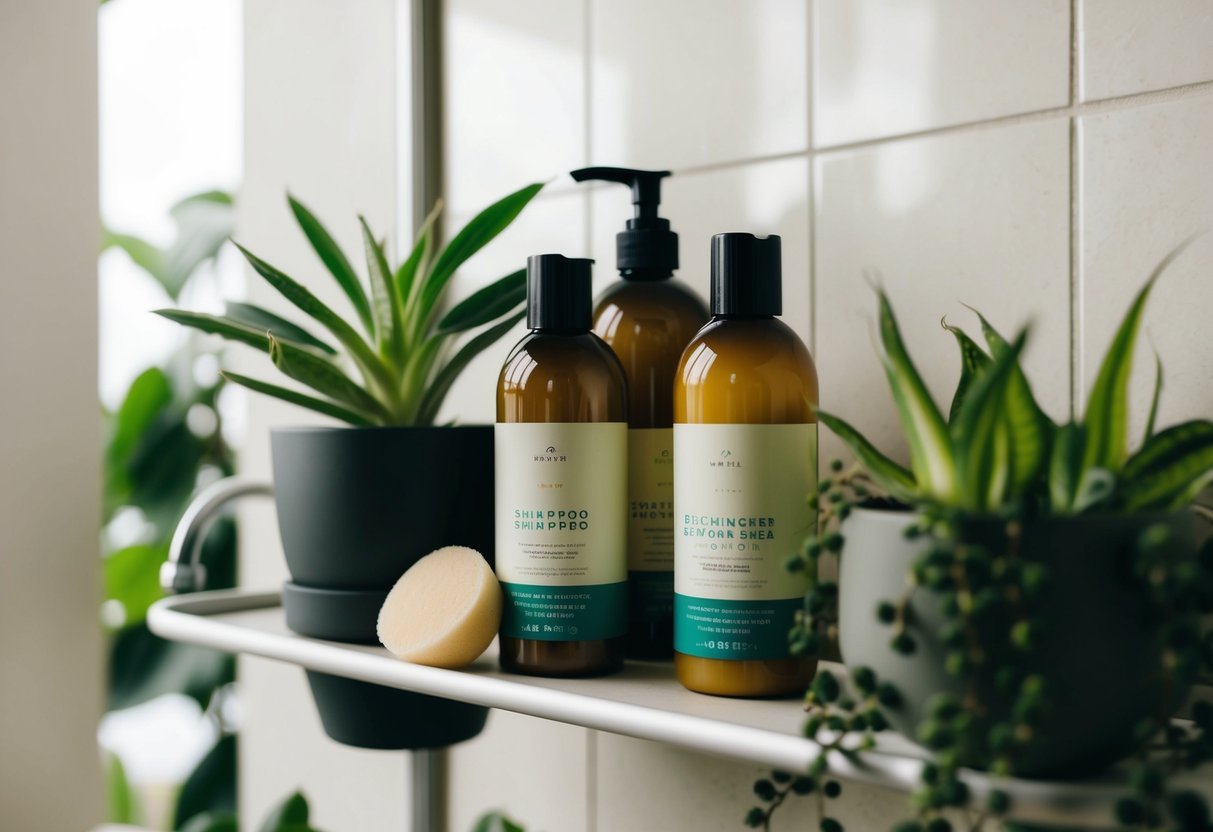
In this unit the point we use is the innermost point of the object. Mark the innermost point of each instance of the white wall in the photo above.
(1001, 155)
(51, 650)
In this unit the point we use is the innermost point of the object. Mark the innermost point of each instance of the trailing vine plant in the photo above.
(978, 477)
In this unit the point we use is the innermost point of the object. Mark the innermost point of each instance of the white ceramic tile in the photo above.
(514, 97)
(646, 785)
(1128, 46)
(885, 67)
(531, 769)
(551, 223)
(979, 217)
(1146, 184)
(675, 86)
(759, 197)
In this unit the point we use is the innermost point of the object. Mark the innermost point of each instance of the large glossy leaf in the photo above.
(325, 378)
(132, 578)
(122, 804)
(211, 786)
(1107, 414)
(1170, 469)
(163, 467)
(931, 452)
(147, 397)
(474, 236)
(300, 296)
(487, 304)
(386, 306)
(1065, 467)
(328, 408)
(334, 260)
(893, 478)
(434, 396)
(228, 328)
(144, 666)
(266, 321)
(972, 360)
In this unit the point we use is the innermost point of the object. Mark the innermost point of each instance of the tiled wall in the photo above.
(1034, 160)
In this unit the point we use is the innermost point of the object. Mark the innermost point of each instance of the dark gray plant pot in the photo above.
(1099, 655)
(356, 508)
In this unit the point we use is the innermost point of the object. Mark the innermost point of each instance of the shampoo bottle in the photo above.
(561, 484)
(647, 318)
(745, 458)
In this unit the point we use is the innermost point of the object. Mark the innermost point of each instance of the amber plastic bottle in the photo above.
(745, 461)
(561, 482)
(647, 318)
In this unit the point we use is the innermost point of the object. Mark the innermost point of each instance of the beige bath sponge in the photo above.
(444, 611)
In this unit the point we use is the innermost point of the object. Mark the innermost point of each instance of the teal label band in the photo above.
(718, 629)
(650, 596)
(564, 613)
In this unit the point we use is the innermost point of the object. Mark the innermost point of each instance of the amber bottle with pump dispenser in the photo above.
(745, 442)
(561, 484)
(647, 318)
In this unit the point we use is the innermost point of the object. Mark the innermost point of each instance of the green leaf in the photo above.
(143, 254)
(334, 260)
(325, 378)
(132, 577)
(982, 434)
(122, 804)
(212, 823)
(1170, 469)
(1065, 467)
(215, 325)
(432, 400)
(487, 304)
(146, 399)
(323, 406)
(211, 786)
(1095, 486)
(291, 812)
(972, 361)
(1154, 399)
(1107, 413)
(931, 452)
(144, 666)
(475, 235)
(893, 478)
(360, 351)
(496, 822)
(418, 260)
(266, 321)
(386, 306)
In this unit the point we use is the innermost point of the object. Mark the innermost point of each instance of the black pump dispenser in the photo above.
(558, 292)
(746, 275)
(647, 249)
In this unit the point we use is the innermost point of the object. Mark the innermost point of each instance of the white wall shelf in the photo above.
(643, 701)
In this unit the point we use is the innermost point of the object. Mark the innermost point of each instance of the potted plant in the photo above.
(1025, 597)
(357, 505)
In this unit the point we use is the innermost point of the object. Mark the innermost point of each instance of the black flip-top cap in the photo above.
(558, 292)
(746, 275)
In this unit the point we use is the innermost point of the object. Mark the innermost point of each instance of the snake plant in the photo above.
(996, 448)
(405, 359)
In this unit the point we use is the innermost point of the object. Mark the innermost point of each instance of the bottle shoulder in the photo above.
(650, 299)
(549, 362)
(734, 343)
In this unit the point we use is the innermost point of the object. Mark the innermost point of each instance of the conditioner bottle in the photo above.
(745, 448)
(647, 318)
(561, 484)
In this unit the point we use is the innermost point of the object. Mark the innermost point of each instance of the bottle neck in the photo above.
(646, 275)
(747, 316)
(556, 330)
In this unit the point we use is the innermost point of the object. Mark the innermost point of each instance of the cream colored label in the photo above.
(740, 506)
(561, 503)
(651, 499)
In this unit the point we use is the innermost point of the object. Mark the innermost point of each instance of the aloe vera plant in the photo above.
(400, 367)
(996, 448)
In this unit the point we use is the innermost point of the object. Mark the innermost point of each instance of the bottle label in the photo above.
(650, 524)
(561, 529)
(740, 509)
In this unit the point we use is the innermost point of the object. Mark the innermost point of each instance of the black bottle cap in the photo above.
(746, 275)
(558, 292)
(647, 249)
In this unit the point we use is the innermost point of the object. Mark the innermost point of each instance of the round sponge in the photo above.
(444, 611)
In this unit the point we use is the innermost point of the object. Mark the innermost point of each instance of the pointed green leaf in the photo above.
(436, 393)
(1170, 469)
(475, 235)
(893, 478)
(360, 351)
(1107, 413)
(323, 406)
(931, 453)
(418, 371)
(1065, 467)
(143, 254)
(122, 804)
(132, 578)
(1154, 399)
(386, 306)
(216, 325)
(324, 377)
(972, 361)
(292, 812)
(487, 304)
(266, 321)
(1095, 486)
(334, 260)
(418, 260)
